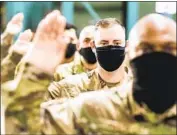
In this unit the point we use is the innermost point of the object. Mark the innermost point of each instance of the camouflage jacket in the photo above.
(104, 112)
(23, 94)
(8, 65)
(72, 68)
(75, 84)
(26, 93)
(9, 60)
(6, 42)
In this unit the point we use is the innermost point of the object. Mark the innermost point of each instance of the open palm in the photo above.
(49, 43)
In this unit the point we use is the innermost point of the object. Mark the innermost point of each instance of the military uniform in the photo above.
(72, 68)
(29, 82)
(26, 93)
(7, 75)
(8, 66)
(73, 85)
(6, 42)
(105, 112)
(9, 61)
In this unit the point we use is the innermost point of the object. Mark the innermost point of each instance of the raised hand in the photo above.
(15, 24)
(23, 43)
(49, 43)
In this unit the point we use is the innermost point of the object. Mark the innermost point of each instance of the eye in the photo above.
(117, 43)
(87, 40)
(104, 43)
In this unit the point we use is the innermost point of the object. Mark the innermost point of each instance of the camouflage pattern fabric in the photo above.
(105, 112)
(73, 85)
(72, 68)
(6, 42)
(24, 98)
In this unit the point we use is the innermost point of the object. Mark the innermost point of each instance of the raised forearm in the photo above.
(6, 42)
(8, 66)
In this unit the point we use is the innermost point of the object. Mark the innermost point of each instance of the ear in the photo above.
(126, 44)
(78, 45)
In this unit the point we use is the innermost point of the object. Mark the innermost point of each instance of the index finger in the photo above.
(17, 18)
(62, 23)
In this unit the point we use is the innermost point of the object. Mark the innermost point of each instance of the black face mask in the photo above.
(71, 49)
(88, 55)
(110, 57)
(155, 81)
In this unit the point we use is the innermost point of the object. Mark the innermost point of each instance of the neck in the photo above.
(88, 66)
(68, 60)
(111, 77)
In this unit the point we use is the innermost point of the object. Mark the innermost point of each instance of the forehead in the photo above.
(87, 32)
(115, 32)
(70, 32)
(153, 35)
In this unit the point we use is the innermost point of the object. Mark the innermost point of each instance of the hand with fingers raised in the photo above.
(49, 43)
(23, 43)
(15, 24)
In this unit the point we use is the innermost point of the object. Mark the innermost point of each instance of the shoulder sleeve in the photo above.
(57, 117)
(6, 42)
(63, 71)
(29, 79)
(105, 112)
(68, 87)
(8, 66)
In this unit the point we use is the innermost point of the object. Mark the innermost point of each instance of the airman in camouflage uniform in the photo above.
(28, 88)
(9, 59)
(145, 106)
(79, 63)
(8, 66)
(15, 53)
(111, 71)
(72, 86)
(13, 28)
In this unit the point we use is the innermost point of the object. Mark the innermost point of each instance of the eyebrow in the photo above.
(87, 38)
(103, 41)
(117, 41)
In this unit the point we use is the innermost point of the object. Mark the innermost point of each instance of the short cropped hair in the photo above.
(107, 22)
(71, 26)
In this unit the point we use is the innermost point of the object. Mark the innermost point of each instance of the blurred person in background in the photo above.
(15, 54)
(10, 84)
(48, 47)
(13, 27)
(147, 105)
(71, 33)
(11, 54)
(84, 60)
